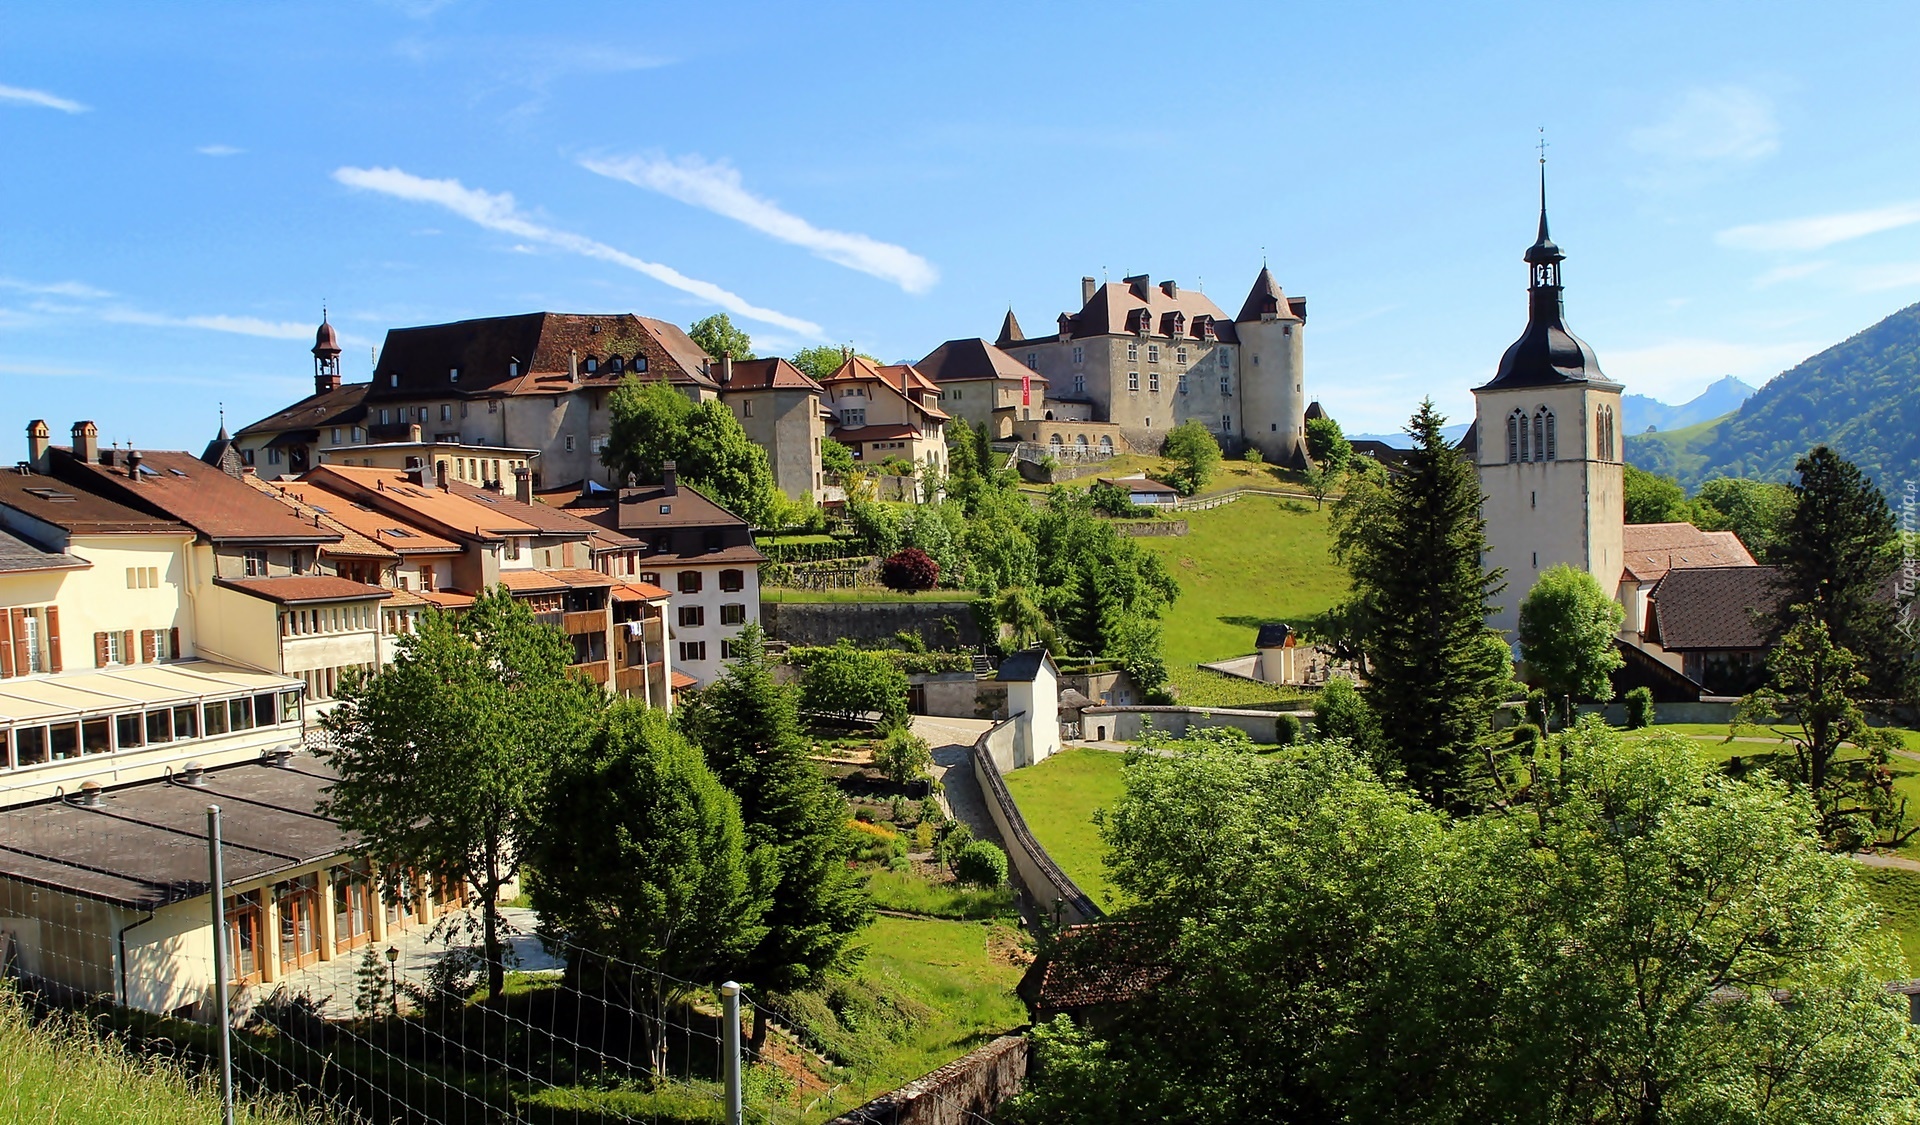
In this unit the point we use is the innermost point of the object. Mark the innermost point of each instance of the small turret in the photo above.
(326, 357)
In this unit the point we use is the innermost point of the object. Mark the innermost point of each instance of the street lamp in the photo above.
(393, 977)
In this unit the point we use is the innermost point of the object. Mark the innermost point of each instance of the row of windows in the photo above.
(692, 581)
(1532, 440)
(1106, 441)
(119, 647)
(1153, 383)
(331, 619)
(143, 577)
(695, 616)
(324, 683)
(40, 744)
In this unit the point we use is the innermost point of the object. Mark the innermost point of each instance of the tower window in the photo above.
(1540, 435)
(1553, 450)
(1079, 355)
(1079, 384)
(1226, 359)
(1183, 384)
(1153, 381)
(1516, 437)
(1180, 356)
(1226, 385)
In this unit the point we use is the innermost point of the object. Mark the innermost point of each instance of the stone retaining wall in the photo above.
(942, 624)
(959, 1093)
(1124, 724)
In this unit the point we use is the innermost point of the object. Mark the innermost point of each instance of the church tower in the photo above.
(1548, 448)
(1271, 328)
(326, 358)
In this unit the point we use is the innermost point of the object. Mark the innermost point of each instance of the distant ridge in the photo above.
(1638, 413)
(1861, 396)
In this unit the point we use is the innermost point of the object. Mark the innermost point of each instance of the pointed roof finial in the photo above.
(1543, 249)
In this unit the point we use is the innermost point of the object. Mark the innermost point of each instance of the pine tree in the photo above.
(1837, 558)
(749, 728)
(1414, 555)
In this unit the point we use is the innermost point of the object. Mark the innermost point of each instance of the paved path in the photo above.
(952, 741)
(1870, 859)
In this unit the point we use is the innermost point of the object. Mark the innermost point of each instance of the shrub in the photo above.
(1639, 708)
(1526, 734)
(931, 812)
(910, 569)
(1252, 456)
(923, 834)
(1286, 729)
(952, 842)
(903, 756)
(982, 863)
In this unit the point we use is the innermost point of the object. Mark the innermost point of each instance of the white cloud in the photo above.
(1710, 125)
(498, 212)
(1794, 272)
(1679, 370)
(715, 186)
(24, 96)
(219, 150)
(76, 289)
(1817, 232)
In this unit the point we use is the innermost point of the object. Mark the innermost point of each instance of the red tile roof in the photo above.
(901, 378)
(441, 510)
(767, 374)
(551, 350)
(681, 681)
(185, 488)
(963, 360)
(1652, 549)
(632, 591)
(341, 406)
(79, 511)
(546, 517)
(310, 502)
(301, 589)
(446, 599)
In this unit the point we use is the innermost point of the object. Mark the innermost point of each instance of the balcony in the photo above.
(585, 621)
(595, 671)
(631, 681)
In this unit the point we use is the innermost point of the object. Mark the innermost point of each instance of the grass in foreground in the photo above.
(1058, 798)
(1897, 894)
(58, 1070)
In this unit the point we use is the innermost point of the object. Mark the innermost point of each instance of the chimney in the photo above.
(427, 477)
(440, 473)
(573, 365)
(39, 440)
(523, 485)
(1170, 288)
(670, 479)
(726, 368)
(194, 776)
(86, 442)
(1087, 289)
(133, 465)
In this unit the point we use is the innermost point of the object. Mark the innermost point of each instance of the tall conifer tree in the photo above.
(749, 728)
(1414, 550)
(1837, 558)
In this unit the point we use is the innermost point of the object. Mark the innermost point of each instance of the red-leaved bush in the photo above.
(910, 569)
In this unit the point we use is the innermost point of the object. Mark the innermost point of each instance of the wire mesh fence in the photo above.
(383, 1013)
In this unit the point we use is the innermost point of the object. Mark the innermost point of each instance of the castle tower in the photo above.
(1272, 371)
(1548, 448)
(326, 358)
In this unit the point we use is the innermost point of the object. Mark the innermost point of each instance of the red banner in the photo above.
(1026, 390)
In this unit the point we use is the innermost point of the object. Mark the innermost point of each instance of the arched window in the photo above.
(1526, 450)
(1513, 437)
(1600, 433)
(1540, 434)
(1553, 439)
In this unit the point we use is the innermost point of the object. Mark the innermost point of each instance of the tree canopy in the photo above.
(1567, 628)
(1192, 456)
(1602, 951)
(1327, 445)
(1755, 511)
(651, 423)
(822, 360)
(843, 682)
(443, 757)
(1650, 498)
(718, 336)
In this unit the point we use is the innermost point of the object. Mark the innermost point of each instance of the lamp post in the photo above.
(393, 977)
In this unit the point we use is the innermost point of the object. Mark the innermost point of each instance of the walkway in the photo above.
(333, 984)
(952, 741)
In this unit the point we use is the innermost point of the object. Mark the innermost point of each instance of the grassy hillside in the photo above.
(1058, 798)
(1680, 453)
(1241, 565)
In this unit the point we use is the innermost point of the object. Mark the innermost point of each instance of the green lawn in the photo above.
(1058, 798)
(1228, 475)
(1240, 566)
(1897, 893)
(911, 894)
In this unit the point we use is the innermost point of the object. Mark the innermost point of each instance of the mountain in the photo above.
(1861, 396)
(1638, 413)
(1405, 441)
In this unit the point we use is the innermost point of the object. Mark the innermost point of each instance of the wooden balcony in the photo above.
(596, 671)
(631, 681)
(586, 621)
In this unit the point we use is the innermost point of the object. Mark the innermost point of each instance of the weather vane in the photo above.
(1542, 146)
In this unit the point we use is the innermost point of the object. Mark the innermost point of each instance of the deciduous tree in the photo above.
(1567, 629)
(1192, 456)
(443, 757)
(1651, 498)
(823, 360)
(910, 569)
(718, 336)
(1327, 445)
(844, 683)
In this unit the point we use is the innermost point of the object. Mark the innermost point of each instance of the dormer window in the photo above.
(453, 374)
(640, 363)
(613, 363)
(592, 365)
(513, 369)
(393, 380)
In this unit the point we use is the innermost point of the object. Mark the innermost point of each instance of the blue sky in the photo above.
(184, 185)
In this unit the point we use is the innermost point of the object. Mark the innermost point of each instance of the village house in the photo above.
(700, 552)
(783, 412)
(888, 412)
(989, 388)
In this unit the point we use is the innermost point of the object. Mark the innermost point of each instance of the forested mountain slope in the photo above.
(1861, 396)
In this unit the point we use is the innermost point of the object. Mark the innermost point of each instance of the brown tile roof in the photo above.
(300, 589)
(768, 374)
(546, 517)
(1266, 298)
(384, 530)
(79, 511)
(558, 578)
(901, 378)
(1116, 306)
(20, 556)
(344, 405)
(444, 510)
(446, 599)
(180, 485)
(633, 591)
(582, 577)
(1095, 964)
(1714, 608)
(1140, 484)
(897, 431)
(680, 682)
(1654, 548)
(312, 503)
(961, 360)
(693, 529)
(417, 361)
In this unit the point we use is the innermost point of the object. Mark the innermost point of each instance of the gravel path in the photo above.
(952, 741)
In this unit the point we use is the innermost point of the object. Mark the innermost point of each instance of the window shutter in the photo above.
(99, 650)
(173, 645)
(22, 659)
(147, 638)
(53, 638)
(127, 655)
(6, 643)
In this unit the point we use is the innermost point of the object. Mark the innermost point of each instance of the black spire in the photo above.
(1546, 354)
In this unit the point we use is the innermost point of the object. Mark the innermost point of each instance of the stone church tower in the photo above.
(1548, 448)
